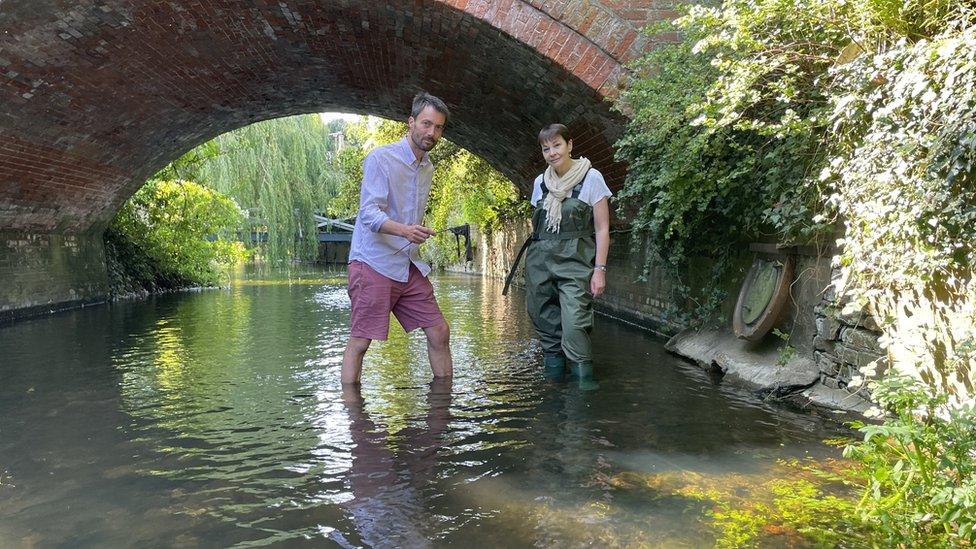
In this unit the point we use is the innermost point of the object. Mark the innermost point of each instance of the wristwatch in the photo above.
(600, 266)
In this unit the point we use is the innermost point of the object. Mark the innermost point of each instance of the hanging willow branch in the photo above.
(283, 171)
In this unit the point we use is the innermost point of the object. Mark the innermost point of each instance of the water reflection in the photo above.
(390, 475)
(218, 419)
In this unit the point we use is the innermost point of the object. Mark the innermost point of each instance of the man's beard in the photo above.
(419, 142)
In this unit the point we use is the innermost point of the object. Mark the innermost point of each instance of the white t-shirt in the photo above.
(594, 188)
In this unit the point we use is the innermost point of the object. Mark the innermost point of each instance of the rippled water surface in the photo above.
(217, 419)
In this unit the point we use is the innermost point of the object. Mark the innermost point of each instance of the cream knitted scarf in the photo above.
(559, 189)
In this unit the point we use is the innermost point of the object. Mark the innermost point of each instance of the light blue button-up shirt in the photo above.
(395, 186)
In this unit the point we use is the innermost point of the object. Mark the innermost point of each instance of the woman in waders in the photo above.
(566, 264)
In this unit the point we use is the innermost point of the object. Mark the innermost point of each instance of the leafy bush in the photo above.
(163, 237)
(918, 468)
(915, 473)
(726, 124)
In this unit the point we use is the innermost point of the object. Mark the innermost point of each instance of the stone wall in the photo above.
(822, 339)
(844, 344)
(45, 272)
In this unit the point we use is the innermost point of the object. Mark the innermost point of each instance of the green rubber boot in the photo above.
(583, 372)
(555, 366)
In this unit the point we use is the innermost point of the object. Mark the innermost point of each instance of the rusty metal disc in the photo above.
(764, 292)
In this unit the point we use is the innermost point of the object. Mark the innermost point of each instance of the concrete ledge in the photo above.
(644, 321)
(14, 315)
(752, 366)
(832, 399)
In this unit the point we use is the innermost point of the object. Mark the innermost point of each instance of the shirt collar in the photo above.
(408, 155)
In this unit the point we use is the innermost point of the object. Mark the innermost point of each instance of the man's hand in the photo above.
(417, 234)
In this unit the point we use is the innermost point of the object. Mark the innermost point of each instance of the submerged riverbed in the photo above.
(217, 419)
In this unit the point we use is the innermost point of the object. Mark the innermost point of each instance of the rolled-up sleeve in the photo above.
(374, 198)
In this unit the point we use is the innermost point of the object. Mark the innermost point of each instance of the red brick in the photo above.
(95, 97)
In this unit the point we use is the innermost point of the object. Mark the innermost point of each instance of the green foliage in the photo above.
(904, 167)
(903, 174)
(915, 474)
(727, 124)
(918, 468)
(725, 127)
(349, 164)
(162, 238)
(362, 137)
(467, 190)
(188, 166)
(911, 19)
(283, 171)
(785, 120)
(781, 120)
(786, 351)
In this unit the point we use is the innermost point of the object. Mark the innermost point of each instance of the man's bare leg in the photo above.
(439, 350)
(352, 359)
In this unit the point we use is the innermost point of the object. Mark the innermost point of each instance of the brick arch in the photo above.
(95, 95)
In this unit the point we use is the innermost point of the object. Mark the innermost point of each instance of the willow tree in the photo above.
(283, 172)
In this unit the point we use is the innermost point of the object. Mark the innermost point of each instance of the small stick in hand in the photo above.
(405, 246)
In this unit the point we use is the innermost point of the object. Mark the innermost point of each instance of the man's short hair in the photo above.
(423, 99)
(551, 131)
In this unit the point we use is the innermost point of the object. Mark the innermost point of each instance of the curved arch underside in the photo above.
(96, 95)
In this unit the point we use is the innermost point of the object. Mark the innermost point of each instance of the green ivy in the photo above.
(726, 126)
(902, 173)
(805, 119)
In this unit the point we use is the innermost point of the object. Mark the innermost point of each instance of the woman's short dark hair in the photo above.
(551, 131)
(423, 100)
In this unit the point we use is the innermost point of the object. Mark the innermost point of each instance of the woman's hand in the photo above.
(598, 282)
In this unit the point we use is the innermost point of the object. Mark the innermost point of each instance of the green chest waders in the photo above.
(558, 267)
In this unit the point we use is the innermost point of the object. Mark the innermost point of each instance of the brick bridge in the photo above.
(96, 95)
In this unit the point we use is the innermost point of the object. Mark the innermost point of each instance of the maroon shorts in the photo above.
(375, 296)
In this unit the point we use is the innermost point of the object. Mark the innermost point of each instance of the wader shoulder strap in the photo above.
(545, 190)
(511, 272)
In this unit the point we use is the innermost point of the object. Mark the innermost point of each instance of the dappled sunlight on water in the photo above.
(217, 418)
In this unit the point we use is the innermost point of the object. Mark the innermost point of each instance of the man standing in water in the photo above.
(384, 276)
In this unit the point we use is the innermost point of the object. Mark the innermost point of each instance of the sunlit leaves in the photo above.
(282, 171)
(185, 229)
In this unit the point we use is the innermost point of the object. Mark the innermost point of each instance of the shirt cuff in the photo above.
(378, 222)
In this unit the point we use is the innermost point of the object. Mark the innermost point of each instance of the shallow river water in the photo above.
(217, 419)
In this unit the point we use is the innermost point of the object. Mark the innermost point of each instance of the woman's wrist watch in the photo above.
(600, 266)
